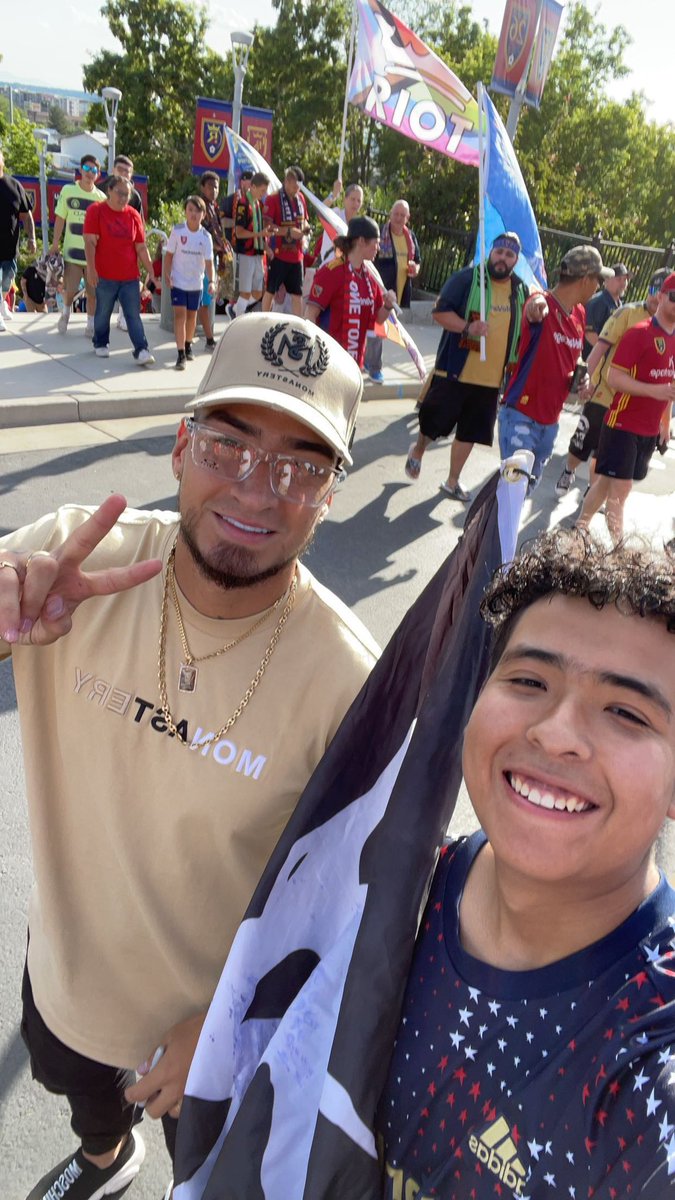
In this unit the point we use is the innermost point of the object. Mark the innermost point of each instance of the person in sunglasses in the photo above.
(642, 377)
(179, 676)
(71, 208)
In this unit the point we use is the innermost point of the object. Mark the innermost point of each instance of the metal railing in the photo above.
(445, 250)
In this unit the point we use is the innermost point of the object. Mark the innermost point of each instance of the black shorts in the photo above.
(584, 440)
(624, 455)
(288, 273)
(469, 409)
(101, 1116)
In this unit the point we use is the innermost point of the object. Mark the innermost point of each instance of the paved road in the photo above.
(382, 542)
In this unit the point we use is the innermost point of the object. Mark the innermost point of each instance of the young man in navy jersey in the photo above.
(536, 1051)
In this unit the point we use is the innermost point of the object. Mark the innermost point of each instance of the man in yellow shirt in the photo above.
(462, 391)
(71, 207)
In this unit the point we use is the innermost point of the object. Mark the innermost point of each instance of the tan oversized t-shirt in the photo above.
(147, 852)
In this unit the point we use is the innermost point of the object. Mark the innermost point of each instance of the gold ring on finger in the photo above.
(37, 554)
(5, 563)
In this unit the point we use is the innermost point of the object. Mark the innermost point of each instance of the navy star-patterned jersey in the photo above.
(551, 1083)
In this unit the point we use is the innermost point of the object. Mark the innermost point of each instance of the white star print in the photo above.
(665, 1055)
(670, 1151)
(502, 1044)
(665, 1129)
(474, 994)
(534, 1149)
(470, 1053)
(543, 1012)
(456, 1038)
(640, 1081)
(494, 1007)
(570, 1157)
(652, 1104)
(465, 1015)
(491, 1068)
(549, 1179)
(512, 1021)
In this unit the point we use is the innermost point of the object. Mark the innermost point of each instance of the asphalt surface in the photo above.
(382, 542)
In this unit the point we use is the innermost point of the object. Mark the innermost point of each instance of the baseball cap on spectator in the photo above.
(657, 279)
(620, 269)
(246, 174)
(581, 261)
(668, 284)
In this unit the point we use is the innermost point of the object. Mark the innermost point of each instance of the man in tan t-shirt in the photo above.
(171, 717)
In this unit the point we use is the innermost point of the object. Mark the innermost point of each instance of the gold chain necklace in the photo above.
(188, 672)
(169, 584)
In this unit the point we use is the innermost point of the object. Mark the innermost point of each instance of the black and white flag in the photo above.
(294, 1052)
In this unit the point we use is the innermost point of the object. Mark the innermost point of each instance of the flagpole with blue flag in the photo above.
(481, 210)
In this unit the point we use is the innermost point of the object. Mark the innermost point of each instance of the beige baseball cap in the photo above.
(289, 364)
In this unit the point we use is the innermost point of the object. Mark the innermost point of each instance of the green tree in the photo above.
(18, 147)
(163, 67)
(58, 120)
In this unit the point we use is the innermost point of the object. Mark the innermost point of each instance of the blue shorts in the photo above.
(7, 273)
(519, 432)
(182, 299)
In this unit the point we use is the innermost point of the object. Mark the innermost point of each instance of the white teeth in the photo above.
(246, 528)
(546, 799)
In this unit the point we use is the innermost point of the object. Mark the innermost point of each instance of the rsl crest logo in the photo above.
(213, 138)
(660, 344)
(295, 351)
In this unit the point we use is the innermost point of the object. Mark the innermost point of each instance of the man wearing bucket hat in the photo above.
(462, 391)
(173, 713)
(550, 346)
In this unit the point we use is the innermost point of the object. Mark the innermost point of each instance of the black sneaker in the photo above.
(78, 1179)
(210, 345)
(188, 352)
(180, 361)
(565, 482)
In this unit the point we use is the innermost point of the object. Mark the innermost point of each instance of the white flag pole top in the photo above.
(350, 64)
(481, 208)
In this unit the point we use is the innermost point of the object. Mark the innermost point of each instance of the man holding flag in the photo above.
(463, 389)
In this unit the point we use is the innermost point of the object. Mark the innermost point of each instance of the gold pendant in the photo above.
(187, 677)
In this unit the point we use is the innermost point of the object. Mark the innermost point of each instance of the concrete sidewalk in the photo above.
(47, 378)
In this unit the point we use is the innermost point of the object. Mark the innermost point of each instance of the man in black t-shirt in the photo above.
(601, 306)
(124, 168)
(15, 207)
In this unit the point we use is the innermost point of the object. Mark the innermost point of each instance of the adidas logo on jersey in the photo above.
(496, 1149)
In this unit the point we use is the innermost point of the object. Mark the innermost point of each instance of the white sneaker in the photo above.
(89, 327)
(102, 352)
(62, 323)
(3, 327)
(6, 312)
(145, 358)
(121, 323)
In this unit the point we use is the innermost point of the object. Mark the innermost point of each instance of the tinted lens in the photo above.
(300, 482)
(292, 479)
(227, 456)
(671, 297)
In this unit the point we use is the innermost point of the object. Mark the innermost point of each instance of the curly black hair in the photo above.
(636, 578)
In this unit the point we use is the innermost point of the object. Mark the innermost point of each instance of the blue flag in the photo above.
(507, 204)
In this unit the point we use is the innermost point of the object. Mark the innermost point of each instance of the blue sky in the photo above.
(41, 53)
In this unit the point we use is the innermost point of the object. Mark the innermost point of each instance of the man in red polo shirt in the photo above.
(114, 245)
(286, 213)
(550, 345)
(643, 378)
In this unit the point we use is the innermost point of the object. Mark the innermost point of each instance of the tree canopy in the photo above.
(590, 162)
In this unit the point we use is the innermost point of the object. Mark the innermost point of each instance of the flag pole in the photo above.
(481, 209)
(350, 63)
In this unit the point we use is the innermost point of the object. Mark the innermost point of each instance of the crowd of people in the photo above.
(211, 670)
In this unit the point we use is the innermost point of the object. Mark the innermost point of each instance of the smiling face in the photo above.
(239, 534)
(569, 756)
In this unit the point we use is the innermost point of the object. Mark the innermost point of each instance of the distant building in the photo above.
(35, 102)
(77, 144)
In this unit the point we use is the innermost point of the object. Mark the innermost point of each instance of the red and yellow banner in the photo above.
(515, 45)
(549, 23)
(209, 149)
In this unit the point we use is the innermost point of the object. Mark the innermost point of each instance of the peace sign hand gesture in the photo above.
(39, 592)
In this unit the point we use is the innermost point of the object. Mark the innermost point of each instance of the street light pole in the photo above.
(41, 138)
(111, 100)
(241, 46)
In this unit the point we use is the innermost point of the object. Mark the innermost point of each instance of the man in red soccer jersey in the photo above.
(548, 353)
(286, 213)
(643, 378)
(114, 245)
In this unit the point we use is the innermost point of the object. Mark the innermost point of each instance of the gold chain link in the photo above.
(161, 665)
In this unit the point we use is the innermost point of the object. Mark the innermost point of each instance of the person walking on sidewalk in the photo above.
(115, 245)
(398, 261)
(642, 376)
(160, 776)
(462, 392)
(15, 210)
(73, 203)
(188, 257)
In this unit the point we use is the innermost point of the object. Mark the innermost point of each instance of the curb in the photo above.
(122, 405)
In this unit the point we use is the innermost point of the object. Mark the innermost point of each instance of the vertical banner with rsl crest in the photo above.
(209, 150)
(515, 45)
(547, 32)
